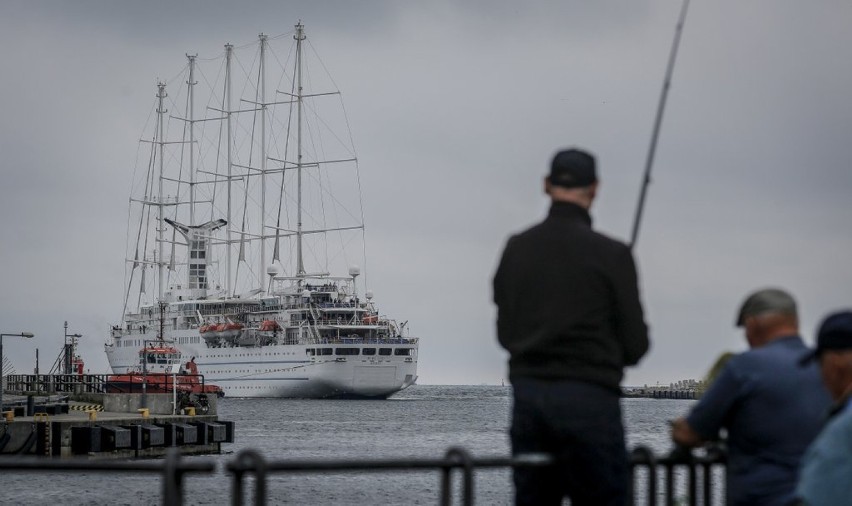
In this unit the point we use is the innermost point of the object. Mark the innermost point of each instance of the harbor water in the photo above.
(421, 422)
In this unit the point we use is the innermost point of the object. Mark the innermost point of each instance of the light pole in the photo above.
(69, 350)
(28, 335)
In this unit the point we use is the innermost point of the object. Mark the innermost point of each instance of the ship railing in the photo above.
(366, 340)
(680, 477)
(349, 322)
(57, 383)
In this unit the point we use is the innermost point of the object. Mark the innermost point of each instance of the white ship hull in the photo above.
(285, 370)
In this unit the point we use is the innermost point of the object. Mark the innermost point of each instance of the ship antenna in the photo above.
(300, 36)
(657, 122)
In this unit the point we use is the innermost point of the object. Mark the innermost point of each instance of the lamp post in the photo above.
(28, 335)
(69, 350)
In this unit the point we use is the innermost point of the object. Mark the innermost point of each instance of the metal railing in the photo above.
(680, 466)
(57, 383)
(698, 480)
(100, 383)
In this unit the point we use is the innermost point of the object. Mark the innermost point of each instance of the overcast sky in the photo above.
(456, 109)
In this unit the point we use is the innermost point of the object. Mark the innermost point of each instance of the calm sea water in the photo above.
(422, 422)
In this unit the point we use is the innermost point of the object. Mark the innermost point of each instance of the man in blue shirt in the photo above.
(771, 407)
(826, 476)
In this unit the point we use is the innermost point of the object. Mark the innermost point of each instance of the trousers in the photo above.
(580, 425)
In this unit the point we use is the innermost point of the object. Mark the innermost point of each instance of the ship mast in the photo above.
(161, 225)
(229, 50)
(300, 36)
(263, 156)
(191, 116)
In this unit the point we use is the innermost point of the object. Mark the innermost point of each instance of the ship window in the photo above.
(402, 351)
(347, 351)
(310, 351)
(369, 351)
(324, 351)
(384, 351)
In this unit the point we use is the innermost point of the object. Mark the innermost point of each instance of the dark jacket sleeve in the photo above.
(501, 297)
(630, 323)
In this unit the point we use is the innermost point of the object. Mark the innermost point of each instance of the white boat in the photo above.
(229, 208)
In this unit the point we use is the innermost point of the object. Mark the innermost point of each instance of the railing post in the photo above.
(446, 484)
(249, 460)
(460, 456)
(172, 493)
(646, 456)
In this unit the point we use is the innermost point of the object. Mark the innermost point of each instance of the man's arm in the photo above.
(501, 296)
(632, 330)
(707, 417)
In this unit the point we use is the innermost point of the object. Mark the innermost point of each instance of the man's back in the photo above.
(772, 409)
(568, 302)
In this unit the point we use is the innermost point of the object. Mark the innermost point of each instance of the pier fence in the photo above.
(95, 383)
(680, 477)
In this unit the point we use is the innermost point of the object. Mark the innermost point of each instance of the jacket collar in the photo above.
(569, 211)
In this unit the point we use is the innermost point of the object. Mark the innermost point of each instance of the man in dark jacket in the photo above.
(568, 312)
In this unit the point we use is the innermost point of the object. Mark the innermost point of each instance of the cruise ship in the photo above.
(238, 220)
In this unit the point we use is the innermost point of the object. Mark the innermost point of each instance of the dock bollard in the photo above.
(144, 412)
(93, 415)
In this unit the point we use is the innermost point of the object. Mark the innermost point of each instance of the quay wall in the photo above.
(157, 404)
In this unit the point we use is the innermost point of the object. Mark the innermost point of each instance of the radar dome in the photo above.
(354, 270)
(273, 270)
(369, 294)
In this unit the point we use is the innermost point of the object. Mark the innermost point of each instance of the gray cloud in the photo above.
(456, 110)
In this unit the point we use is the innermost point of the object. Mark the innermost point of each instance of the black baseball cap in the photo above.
(767, 300)
(835, 333)
(572, 168)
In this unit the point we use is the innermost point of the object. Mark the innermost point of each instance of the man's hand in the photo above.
(684, 435)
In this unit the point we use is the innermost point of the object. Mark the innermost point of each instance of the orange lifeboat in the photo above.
(230, 330)
(269, 326)
(370, 319)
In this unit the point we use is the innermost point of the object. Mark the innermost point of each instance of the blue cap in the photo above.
(835, 333)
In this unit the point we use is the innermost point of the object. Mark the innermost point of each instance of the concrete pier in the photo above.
(122, 430)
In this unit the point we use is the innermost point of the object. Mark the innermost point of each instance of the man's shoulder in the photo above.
(549, 228)
(610, 242)
(789, 348)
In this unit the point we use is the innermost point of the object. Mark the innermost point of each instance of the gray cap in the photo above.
(768, 300)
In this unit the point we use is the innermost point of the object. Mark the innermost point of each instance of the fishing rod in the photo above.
(657, 122)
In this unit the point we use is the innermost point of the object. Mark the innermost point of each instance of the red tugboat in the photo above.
(160, 370)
